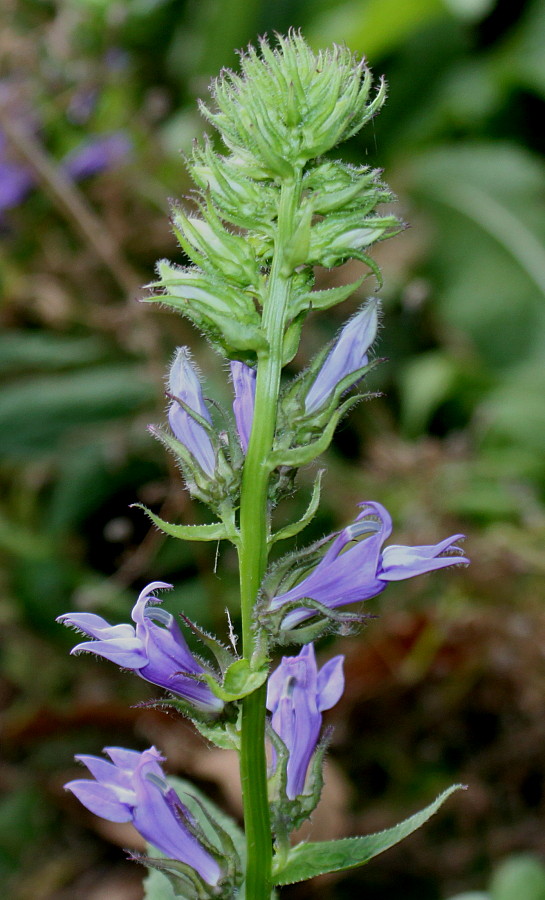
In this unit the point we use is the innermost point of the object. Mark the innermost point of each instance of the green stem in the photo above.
(253, 554)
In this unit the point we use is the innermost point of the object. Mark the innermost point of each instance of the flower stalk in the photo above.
(253, 554)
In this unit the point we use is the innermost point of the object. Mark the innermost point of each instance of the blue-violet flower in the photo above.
(348, 355)
(97, 153)
(184, 384)
(155, 649)
(297, 694)
(125, 792)
(364, 569)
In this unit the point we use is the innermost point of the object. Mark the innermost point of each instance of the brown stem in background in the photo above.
(69, 199)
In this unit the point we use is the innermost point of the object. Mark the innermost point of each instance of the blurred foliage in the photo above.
(520, 876)
(455, 443)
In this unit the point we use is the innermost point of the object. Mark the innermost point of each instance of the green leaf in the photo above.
(225, 736)
(240, 680)
(44, 351)
(300, 456)
(37, 414)
(157, 886)
(308, 860)
(425, 382)
(487, 203)
(377, 26)
(295, 527)
(215, 531)
(327, 298)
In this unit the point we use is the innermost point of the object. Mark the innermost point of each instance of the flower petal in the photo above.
(100, 800)
(399, 562)
(330, 683)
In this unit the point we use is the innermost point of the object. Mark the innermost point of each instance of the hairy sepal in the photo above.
(321, 621)
(287, 815)
(306, 453)
(325, 299)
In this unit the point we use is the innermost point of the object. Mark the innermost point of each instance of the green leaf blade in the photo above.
(215, 531)
(309, 860)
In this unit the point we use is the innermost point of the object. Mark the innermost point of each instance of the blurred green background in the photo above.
(97, 98)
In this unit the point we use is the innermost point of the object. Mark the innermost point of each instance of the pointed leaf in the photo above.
(300, 456)
(221, 735)
(215, 531)
(295, 527)
(308, 860)
(327, 298)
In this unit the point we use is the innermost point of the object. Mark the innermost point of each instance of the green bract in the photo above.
(276, 118)
(290, 105)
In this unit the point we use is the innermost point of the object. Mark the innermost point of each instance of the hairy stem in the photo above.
(253, 552)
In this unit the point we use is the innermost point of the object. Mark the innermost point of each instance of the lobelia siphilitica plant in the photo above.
(268, 209)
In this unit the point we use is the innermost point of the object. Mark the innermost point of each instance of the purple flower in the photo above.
(297, 694)
(132, 788)
(184, 384)
(364, 569)
(96, 154)
(155, 649)
(15, 183)
(243, 405)
(348, 355)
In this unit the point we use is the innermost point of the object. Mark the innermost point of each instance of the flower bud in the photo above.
(289, 105)
(244, 378)
(347, 356)
(184, 385)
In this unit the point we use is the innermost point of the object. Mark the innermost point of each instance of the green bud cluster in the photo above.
(289, 106)
(286, 108)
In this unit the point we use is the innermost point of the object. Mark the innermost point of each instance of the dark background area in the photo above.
(447, 683)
